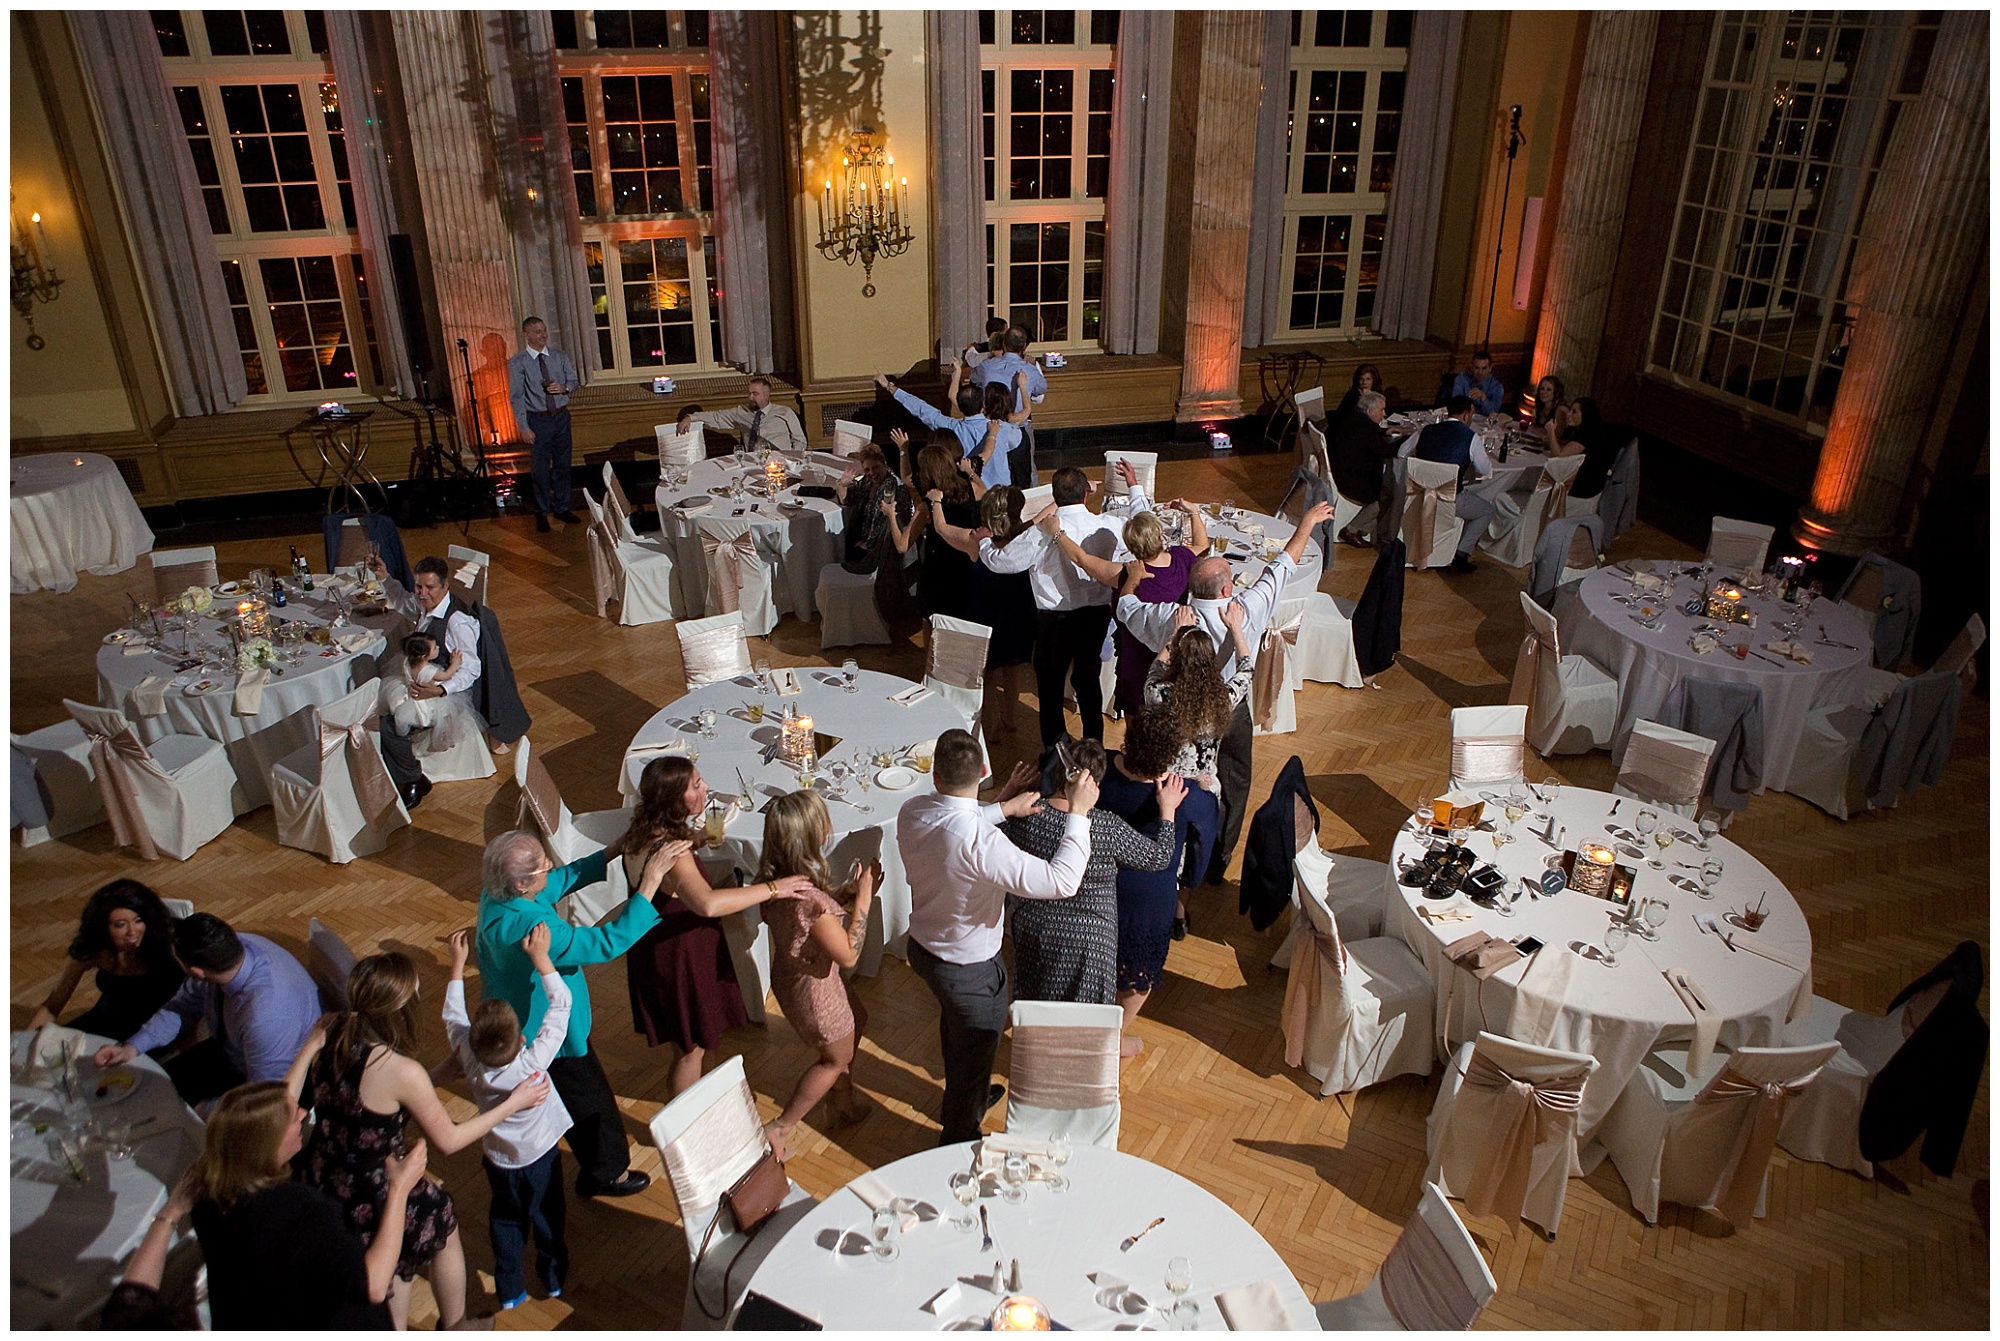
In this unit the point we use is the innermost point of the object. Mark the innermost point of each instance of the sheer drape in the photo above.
(1409, 243)
(1135, 205)
(751, 195)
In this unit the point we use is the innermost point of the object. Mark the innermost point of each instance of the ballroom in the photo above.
(954, 669)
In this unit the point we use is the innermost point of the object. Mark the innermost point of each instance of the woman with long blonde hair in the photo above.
(814, 935)
(365, 1082)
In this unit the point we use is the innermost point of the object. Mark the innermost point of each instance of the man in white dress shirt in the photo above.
(962, 868)
(1211, 587)
(757, 423)
(1072, 608)
(434, 610)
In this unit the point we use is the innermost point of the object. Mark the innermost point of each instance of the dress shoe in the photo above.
(414, 794)
(1461, 564)
(1180, 930)
(994, 1094)
(1351, 538)
(542, 521)
(631, 1184)
(568, 518)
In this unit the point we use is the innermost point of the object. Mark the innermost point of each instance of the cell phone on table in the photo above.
(1527, 945)
(737, 513)
(760, 1313)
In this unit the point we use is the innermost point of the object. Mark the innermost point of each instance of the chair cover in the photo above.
(1352, 887)
(713, 649)
(1731, 715)
(178, 907)
(374, 526)
(1516, 529)
(1434, 1279)
(847, 613)
(1430, 521)
(1325, 651)
(61, 785)
(1502, 1133)
(1273, 700)
(1064, 1073)
(639, 575)
(709, 1136)
(1033, 500)
(1664, 767)
(618, 504)
(329, 961)
(1487, 745)
(334, 795)
(735, 574)
(680, 449)
(1378, 615)
(171, 796)
(1312, 482)
(1738, 546)
(541, 809)
(30, 811)
(1567, 550)
(1674, 1138)
(1957, 658)
(1309, 403)
(850, 437)
(1889, 600)
(1850, 759)
(469, 568)
(955, 664)
(1355, 1014)
(175, 570)
(1146, 465)
(1572, 701)
(1618, 506)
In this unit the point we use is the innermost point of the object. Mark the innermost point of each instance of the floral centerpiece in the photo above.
(256, 654)
(197, 600)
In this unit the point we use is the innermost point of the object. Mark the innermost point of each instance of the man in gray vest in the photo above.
(539, 382)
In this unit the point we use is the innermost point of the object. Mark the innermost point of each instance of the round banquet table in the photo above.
(1247, 562)
(1060, 1239)
(254, 743)
(70, 1239)
(796, 546)
(1647, 663)
(70, 512)
(1616, 1013)
(864, 721)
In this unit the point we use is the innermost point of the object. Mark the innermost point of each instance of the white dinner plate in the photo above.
(198, 687)
(896, 779)
(119, 637)
(113, 1085)
(228, 588)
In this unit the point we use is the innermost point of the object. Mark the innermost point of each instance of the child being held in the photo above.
(522, 1160)
(412, 713)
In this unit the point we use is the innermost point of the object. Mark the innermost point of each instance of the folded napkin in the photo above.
(468, 573)
(136, 649)
(1798, 652)
(1437, 916)
(51, 1041)
(996, 1146)
(1704, 643)
(149, 697)
(1254, 1308)
(678, 745)
(1647, 582)
(353, 642)
(916, 693)
(1539, 1000)
(250, 691)
(784, 682)
(1706, 1022)
(875, 1194)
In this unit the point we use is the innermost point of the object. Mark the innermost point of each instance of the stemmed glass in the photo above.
(1179, 1280)
(852, 672)
(965, 1189)
(838, 771)
(1461, 827)
(1710, 825)
(888, 1222)
(1711, 872)
(1059, 1149)
(1013, 1177)
(1644, 823)
(705, 719)
(1616, 934)
(1654, 915)
(1663, 838)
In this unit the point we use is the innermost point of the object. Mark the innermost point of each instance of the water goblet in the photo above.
(863, 778)
(886, 1225)
(1013, 1178)
(1643, 824)
(1710, 825)
(1711, 872)
(1461, 828)
(763, 669)
(1179, 1280)
(1059, 1151)
(965, 1189)
(706, 720)
(1425, 814)
(851, 672)
(1654, 915)
(1663, 838)
(838, 771)
(1615, 937)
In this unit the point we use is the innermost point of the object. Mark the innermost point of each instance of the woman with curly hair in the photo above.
(1366, 378)
(127, 935)
(364, 1084)
(1186, 683)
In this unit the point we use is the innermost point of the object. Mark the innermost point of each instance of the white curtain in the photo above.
(1263, 294)
(1409, 243)
(752, 200)
(1135, 204)
(958, 182)
(362, 118)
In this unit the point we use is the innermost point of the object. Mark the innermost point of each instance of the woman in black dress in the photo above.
(680, 976)
(127, 935)
(945, 587)
(1366, 378)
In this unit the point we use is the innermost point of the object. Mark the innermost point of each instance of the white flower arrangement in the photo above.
(198, 600)
(256, 653)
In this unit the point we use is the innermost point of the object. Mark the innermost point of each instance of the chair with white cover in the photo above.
(1033, 500)
(468, 572)
(1431, 527)
(955, 664)
(61, 756)
(1433, 1280)
(850, 437)
(1517, 523)
(1275, 681)
(1353, 888)
(1356, 1013)
(680, 449)
(334, 795)
(1309, 405)
(175, 570)
(1617, 505)
(618, 504)
(1502, 1134)
(636, 574)
(1314, 470)
(735, 574)
(1325, 651)
(328, 961)
(1064, 1072)
(848, 616)
(1664, 767)
(1849, 758)
(713, 649)
(568, 837)
(1572, 701)
(178, 907)
(1488, 745)
(1566, 553)
(1707, 1144)
(1146, 465)
(170, 796)
(1738, 546)
(1888, 599)
(1957, 659)
(709, 1136)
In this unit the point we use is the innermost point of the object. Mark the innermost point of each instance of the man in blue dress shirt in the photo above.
(1478, 385)
(969, 428)
(539, 380)
(1003, 368)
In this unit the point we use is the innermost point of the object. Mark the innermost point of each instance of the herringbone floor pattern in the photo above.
(1328, 1181)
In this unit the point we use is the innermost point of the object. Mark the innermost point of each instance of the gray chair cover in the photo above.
(1731, 715)
(1551, 551)
(30, 808)
(1618, 505)
(1907, 744)
(1902, 605)
(382, 530)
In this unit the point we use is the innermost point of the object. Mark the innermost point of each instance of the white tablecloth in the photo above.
(70, 512)
(1247, 562)
(865, 721)
(1061, 1240)
(795, 547)
(1648, 663)
(1617, 1013)
(254, 743)
(70, 1239)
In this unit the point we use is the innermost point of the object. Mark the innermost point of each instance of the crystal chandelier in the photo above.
(35, 278)
(865, 221)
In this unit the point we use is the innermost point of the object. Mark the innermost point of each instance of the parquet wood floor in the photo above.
(1328, 1181)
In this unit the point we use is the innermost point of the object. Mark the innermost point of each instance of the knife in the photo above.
(986, 1232)
(1829, 642)
(1761, 657)
(1126, 1246)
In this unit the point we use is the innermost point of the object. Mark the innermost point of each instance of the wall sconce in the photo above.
(35, 277)
(865, 221)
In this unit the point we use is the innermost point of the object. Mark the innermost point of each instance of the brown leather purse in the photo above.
(750, 1202)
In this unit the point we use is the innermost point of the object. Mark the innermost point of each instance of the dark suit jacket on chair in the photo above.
(1266, 890)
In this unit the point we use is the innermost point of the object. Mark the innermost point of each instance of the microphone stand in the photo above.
(1514, 142)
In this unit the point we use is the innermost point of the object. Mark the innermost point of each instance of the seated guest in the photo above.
(1581, 429)
(1452, 442)
(1067, 949)
(126, 935)
(280, 1254)
(259, 1004)
(758, 423)
(1478, 384)
(815, 934)
(1366, 378)
(869, 484)
(1548, 400)
(1361, 451)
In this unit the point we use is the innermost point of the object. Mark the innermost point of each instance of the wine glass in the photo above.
(1461, 827)
(1517, 803)
(1425, 813)
(705, 720)
(1663, 838)
(1643, 824)
(763, 669)
(1013, 1178)
(1179, 1280)
(886, 1225)
(1059, 1150)
(965, 1188)
(863, 778)
(1616, 934)
(1710, 825)
(1655, 916)
(1505, 898)
(808, 771)
(851, 672)
(838, 770)
(1502, 835)
(1711, 872)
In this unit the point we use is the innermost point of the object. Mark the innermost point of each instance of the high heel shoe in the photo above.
(1181, 925)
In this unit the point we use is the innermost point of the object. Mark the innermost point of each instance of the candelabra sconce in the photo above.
(864, 221)
(35, 278)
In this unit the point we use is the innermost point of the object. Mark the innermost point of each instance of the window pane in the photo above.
(171, 31)
(1104, 27)
(1059, 27)
(226, 34)
(267, 32)
(564, 23)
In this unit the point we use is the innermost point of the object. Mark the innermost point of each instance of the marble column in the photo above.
(1603, 140)
(1917, 259)
(1218, 77)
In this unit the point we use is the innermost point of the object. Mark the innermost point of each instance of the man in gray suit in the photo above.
(539, 381)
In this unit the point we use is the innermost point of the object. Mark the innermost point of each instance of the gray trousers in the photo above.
(972, 1000)
(1232, 769)
(1475, 511)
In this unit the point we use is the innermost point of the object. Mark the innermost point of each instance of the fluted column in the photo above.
(1603, 140)
(1919, 250)
(1218, 63)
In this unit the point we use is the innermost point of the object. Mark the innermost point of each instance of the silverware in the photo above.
(1689, 988)
(1825, 641)
(1761, 657)
(1126, 1246)
(986, 1233)
(1614, 807)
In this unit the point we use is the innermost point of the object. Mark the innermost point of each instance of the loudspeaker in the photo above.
(410, 302)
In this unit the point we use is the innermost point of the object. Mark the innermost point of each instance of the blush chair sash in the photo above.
(1528, 668)
(113, 758)
(715, 1150)
(1426, 503)
(1582, 550)
(1660, 770)
(540, 800)
(1530, 1113)
(957, 658)
(1485, 758)
(1270, 679)
(1303, 987)
(373, 787)
(1736, 1201)
(714, 654)
(725, 559)
(1065, 1066)
(1423, 1288)
(174, 578)
(603, 586)
(1557, 500)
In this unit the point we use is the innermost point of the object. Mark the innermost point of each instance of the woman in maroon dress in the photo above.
(682, 980)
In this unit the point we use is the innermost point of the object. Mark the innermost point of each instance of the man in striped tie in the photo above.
(539, 382)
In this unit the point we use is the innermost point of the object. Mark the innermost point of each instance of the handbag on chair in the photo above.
(750, 1201)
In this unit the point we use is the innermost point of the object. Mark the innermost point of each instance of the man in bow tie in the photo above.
(539, 382)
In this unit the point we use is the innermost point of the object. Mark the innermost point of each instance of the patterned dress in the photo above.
(345, 1157)
(1196, 761)
(804, 977)
(1146, 899)
(1067, 949)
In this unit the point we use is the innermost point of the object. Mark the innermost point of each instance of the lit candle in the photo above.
(41, 239)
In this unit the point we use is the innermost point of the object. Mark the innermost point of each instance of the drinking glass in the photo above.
(965, 1188)
(1615, 937)
(763, 669)
(713, 822)
(886, 1225)
(851, 672)
(1425, 813)
(1013, 1177)
(1643, 824)
(808, 771)
(1517, 803)
(1179, 1280)
(863, 778)
(756, 710)
(1059, 1150)
(1461, 828)
(113, 1136)
(1505, 898)
(1552, 788)
(1502, 835)
(838, 771)
(1655, 916)
(1663, 838)
(1710, 825)
(1711, 872)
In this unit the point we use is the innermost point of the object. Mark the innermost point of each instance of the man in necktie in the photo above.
(539, 382)
(759, 423)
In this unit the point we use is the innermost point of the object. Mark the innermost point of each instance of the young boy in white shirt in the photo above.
(522, 1160)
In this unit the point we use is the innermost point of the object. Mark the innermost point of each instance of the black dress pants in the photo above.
(1071, 643)
(597, 1138)
(1232, 768)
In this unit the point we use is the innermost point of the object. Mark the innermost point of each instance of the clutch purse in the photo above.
(750, 1201)
(1481, 955)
